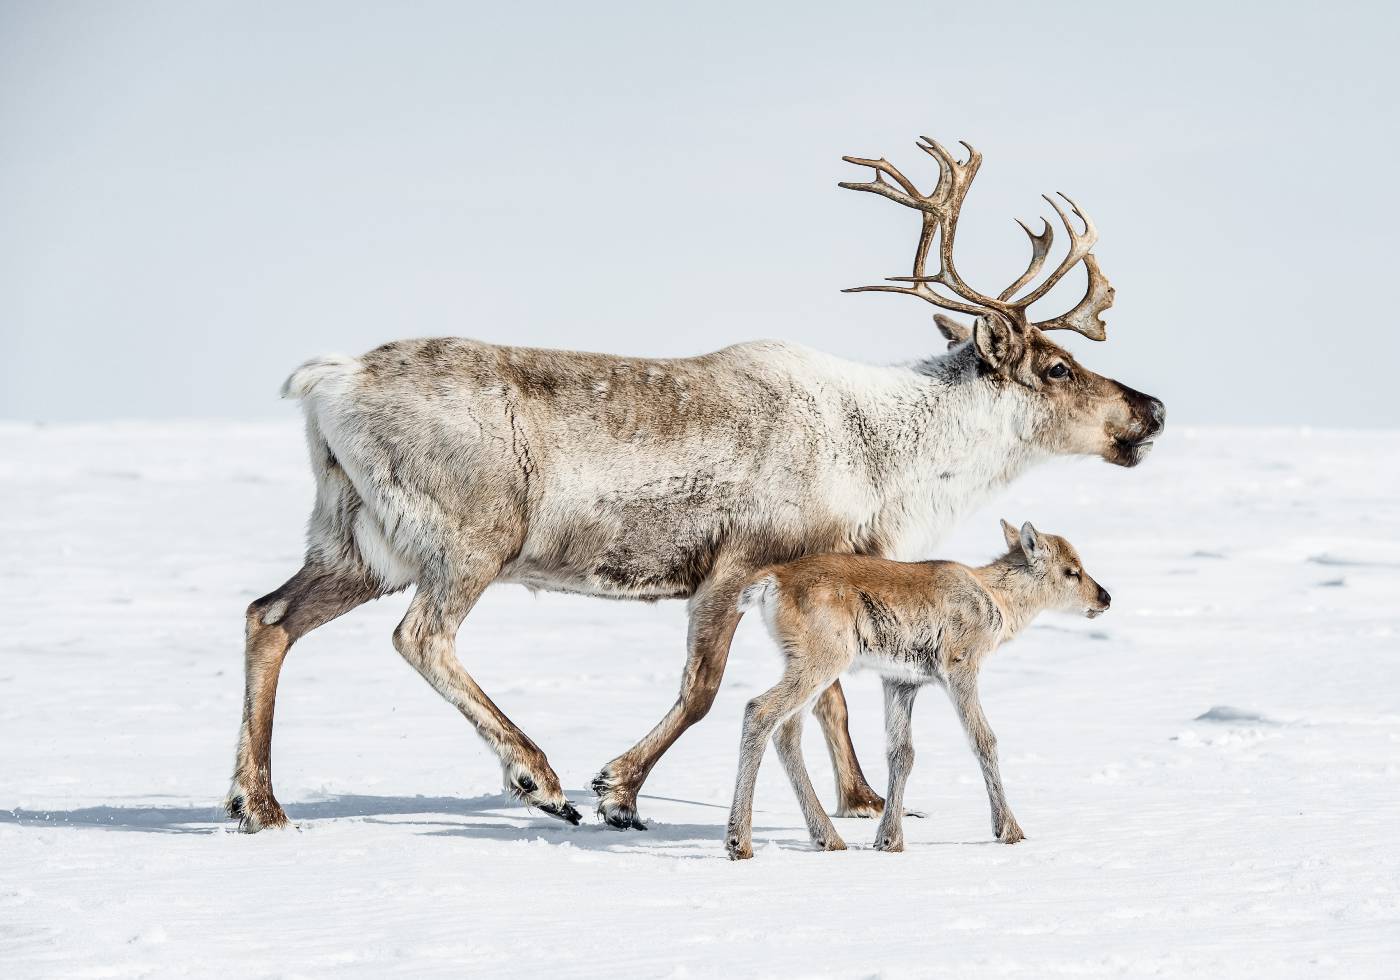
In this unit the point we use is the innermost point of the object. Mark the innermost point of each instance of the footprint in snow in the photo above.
(1225, 713)
(1342, 562)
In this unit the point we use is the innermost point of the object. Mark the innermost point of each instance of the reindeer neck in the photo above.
(953, 442)
(1017, 593)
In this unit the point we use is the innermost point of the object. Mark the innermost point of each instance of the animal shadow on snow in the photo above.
(499, 817)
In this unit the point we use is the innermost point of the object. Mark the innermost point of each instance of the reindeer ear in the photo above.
(995, 341)
(1013, 536)
(1031, 542)
(954, 331)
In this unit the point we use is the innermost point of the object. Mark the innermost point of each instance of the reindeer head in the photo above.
(1059, 577)
(1072, 410)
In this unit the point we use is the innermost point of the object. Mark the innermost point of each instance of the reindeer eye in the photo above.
(1071, 573)
(1058, 371)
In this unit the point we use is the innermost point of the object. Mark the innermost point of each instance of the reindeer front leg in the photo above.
(713, 617)
(962, 689)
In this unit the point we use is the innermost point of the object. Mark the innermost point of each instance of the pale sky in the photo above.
(195, 197)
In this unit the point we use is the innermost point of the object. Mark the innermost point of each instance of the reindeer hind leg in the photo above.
(426, 638)
(855, 797)
(310, 598)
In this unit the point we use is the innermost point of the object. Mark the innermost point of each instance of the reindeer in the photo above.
(932, 622)
(447, 464)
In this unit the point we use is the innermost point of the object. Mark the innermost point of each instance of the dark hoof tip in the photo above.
(623, 820)
(235, 808)
(527, 784)
(564, 811)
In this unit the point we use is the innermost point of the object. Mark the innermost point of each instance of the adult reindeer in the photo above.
(449, 464)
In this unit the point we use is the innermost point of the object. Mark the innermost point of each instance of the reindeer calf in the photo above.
(915, 623)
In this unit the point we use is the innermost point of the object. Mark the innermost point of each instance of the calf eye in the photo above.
(1058, 371)
(1071, 573)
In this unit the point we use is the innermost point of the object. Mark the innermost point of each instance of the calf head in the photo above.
(1057, 576)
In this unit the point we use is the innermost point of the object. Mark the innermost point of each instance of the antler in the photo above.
(939, 212)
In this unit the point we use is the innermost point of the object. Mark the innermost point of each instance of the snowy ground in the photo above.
(1207, 775)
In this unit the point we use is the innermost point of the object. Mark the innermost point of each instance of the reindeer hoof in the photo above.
(831, 844)
(617, 807)
(621, 818)
(738, 850)
(254, 817)
(890, 845)
(866, 807)
(563, 811)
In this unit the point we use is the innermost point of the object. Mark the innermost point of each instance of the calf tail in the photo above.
(758, 592)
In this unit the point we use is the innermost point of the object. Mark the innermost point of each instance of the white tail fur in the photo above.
(757, 593)
(305, 378)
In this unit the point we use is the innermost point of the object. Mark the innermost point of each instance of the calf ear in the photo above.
(1031, 542)
(996, 342)
(1013, 536)
(954, 331)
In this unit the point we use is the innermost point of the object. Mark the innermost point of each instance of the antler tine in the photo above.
(954, 176)
(910, 197)
(1080, 244)
(1085, 318)
(922, 291)
(945, 165)
(1040, 247)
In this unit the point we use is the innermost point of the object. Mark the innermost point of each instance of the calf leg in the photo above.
(899, 748)
(854, 797)
(968, 705)
(310, 598)
(788, 739)
(427, 640)
(713, 617)
(763, 714)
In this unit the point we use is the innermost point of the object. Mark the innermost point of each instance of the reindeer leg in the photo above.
(763, 714)
(899, 747)
(963, 692)
(427, 640)
(788, 739)
(854, 797)
(310, 598)
(713, 617)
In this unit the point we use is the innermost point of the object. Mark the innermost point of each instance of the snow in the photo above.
(1206, 775)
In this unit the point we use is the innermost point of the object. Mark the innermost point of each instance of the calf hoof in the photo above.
(1011, 833)
(738, 850)
(889, 844)
(832, 843)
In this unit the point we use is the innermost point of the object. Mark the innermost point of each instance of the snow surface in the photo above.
(1207, 775)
